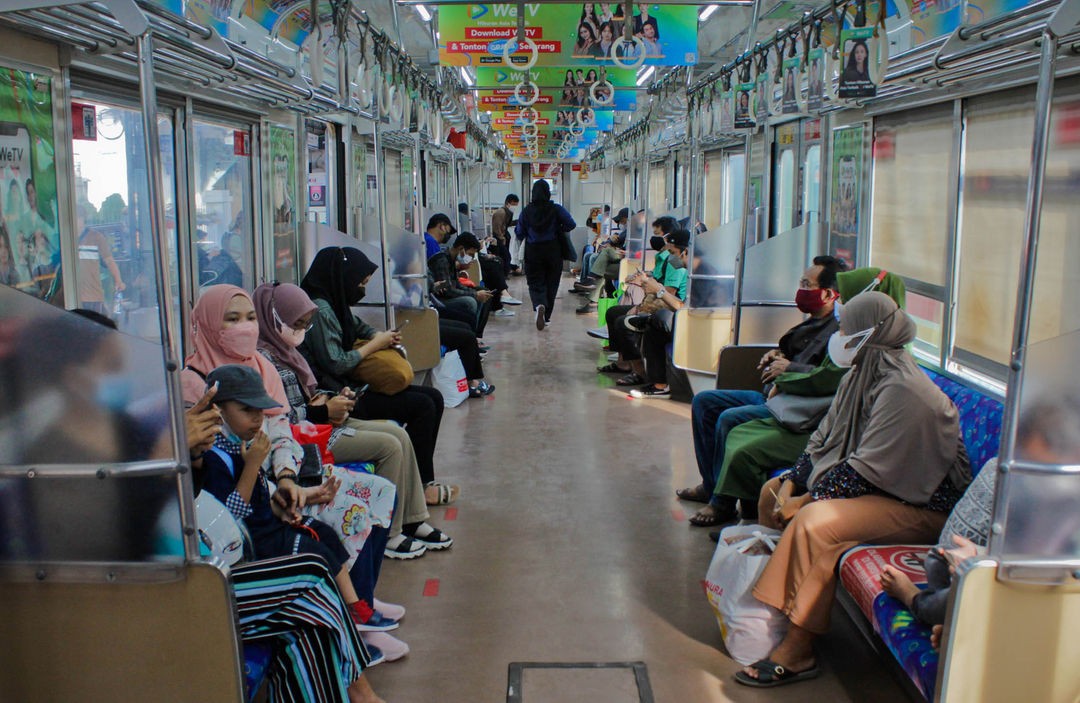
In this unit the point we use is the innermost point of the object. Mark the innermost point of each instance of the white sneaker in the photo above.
(391, 647)
(510, 300)
(390, 610)
(503, 313)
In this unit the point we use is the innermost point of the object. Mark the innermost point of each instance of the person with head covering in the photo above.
(226, 333)
(746, 448)
(541, 223)
(885, 466)
(335, 282)
(606, 263)
(285, 313)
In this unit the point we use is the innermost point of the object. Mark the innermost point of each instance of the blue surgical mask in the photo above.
(464, 259)
(113, 391)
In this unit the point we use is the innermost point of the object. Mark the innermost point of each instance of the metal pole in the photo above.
(1024, 295)
(418, 211)
(163, 285)
(380, 170)
(692, 195)
(645, 205)
(736, 318)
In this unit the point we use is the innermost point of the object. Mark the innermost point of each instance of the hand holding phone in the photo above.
(400, 327)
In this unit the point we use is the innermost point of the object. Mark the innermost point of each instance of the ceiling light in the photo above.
(645, 76)
(424, 14)
(705, 14)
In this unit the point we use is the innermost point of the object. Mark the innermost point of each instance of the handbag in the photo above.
(387, 371)
(604, 304)
(566, 247)
(799, 413)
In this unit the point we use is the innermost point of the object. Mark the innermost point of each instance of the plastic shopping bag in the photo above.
(751, 629)
(450, 380)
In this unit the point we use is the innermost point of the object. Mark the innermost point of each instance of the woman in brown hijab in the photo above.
(885, 466)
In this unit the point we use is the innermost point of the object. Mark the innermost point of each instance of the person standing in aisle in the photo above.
(540, 224)
(501, 222)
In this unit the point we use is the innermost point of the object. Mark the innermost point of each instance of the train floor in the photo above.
(570, 547)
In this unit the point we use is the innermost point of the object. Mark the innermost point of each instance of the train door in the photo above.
(224, 246)
(810, 202)
(115, 272)
(785, 177)
(733, 198)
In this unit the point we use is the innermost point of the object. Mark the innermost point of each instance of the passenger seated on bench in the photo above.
(459, 302)
(285, 312)
(624, 339)
(291, 602)
(886, 465)
(335, 345)
(1048, 432)
(235, 476)
(605, 265)
(714, 413)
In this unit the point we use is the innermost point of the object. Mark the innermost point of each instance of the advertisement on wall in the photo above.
(575, 91)
(845, 210)
(29, 241)
(283, 175)
(568, 35)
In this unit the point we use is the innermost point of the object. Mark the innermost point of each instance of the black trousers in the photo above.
(419, 409)
(543, 271)
(459, 337)
(474, 314)
(491, 269)
(620, 339)
(658, 334)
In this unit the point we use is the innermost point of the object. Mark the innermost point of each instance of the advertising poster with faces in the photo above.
(791, 96)
(283, 175)
(762, 95)
(727, 107)
(815, 79)
(856, 77)
(29, 241)
(847, 169)
(744, 114)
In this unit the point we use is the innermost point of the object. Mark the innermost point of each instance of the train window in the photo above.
(734, 186)
(223, 245)
(658, 189)
(115, 273)
(784, 190)
(392, 187)
(997, 154)
(282, 197)
(811, 199)
(912, 152)
(714, 189)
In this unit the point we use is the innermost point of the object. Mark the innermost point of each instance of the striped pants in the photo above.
(294, 602)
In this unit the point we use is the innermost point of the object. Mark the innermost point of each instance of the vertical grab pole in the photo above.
(736, 318)
(693, 190)
(645, 204)
(380, 170)
(163, 285)
(1028, 261)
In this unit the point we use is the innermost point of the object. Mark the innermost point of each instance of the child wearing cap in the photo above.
(234, 475)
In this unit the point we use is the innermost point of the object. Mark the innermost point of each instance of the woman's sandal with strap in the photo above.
(698, 494)
(436, 493)
(630, 379)
(771, 674)
(610, 368)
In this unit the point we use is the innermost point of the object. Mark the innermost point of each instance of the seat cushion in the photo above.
(906, 638)
(980, 419)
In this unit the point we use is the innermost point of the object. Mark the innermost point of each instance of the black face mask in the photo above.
(657, 242)
(361, 290)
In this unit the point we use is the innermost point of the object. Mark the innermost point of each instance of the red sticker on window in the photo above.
(241, 143)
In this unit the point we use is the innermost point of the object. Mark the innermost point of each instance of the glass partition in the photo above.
(774, 266)
(115, 274)
(223, 239)
(712, 274)
(318, 236)
(83, 404)
(1042, 494)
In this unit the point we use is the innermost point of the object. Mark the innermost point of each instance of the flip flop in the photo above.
(771, 674)
(697, 494)
(630, 379)
(610, 368)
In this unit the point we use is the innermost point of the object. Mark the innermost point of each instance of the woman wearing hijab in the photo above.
(285, 313)
(540, 223)
(227, 332)
(335, 282)
(885, 466)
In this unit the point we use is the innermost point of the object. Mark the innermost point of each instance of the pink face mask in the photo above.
(240, 340)
(293, 338)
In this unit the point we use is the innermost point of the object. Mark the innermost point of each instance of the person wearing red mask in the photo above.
(715, 413)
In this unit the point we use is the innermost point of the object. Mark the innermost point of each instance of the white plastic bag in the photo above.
(751, 629)
(450, 380)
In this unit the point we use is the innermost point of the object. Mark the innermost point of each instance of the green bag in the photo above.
(604, 304)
